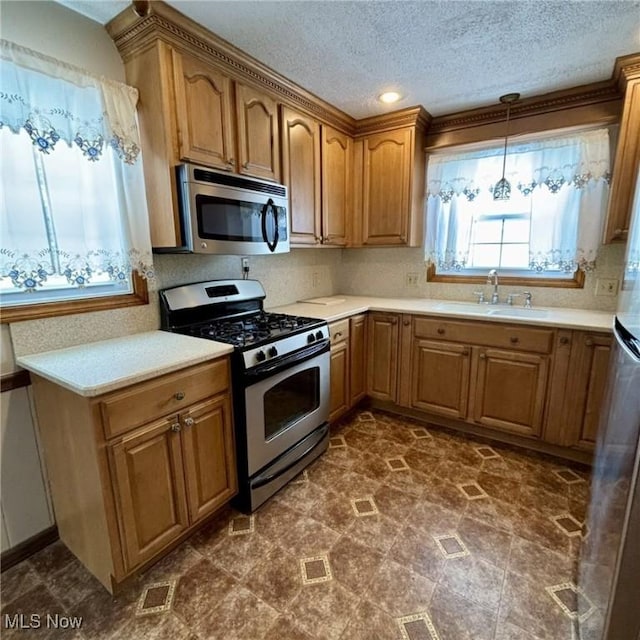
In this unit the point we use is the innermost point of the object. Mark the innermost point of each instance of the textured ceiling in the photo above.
(446, 55)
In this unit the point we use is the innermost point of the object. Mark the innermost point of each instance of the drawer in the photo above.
(339, 331)
(125, 410)
(518, 337)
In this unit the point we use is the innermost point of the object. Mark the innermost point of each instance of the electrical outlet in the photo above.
(606, 287)
(315, 279)
(245, 268)
(412, 279)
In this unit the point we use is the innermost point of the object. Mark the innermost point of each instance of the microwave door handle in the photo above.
(276, 236)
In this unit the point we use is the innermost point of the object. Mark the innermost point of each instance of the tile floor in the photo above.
(398, 531)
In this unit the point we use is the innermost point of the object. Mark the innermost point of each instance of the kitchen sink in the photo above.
(491, 310)
(520, 312)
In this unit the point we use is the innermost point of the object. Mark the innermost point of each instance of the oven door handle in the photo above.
(318, 434)
(270, 206)
(294, 358)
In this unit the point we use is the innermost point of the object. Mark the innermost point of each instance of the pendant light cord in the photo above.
(506, 137)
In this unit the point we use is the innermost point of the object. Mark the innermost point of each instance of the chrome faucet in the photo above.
(492, 278)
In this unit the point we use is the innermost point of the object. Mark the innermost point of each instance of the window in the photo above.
(73, 217)
(550, 227)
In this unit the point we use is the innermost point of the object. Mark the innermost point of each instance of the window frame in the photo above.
(38, 310)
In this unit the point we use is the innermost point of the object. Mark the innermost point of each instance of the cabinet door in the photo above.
(510, 391)
(148, 482)
(588, 370)
(209, 459)
(357, 358)
(626, 163)
(301, 173)
(258, 134)
(382, 366)
(337, 191)
(339, 401)
(440, 378)
(386, 196)
(204, 111)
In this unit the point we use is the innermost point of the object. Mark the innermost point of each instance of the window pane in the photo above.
(487, 231)
(516, 231)
(515, 256)
(485, 255)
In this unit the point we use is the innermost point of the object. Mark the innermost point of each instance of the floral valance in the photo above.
(53, 101)
(74, 210)
(574, 160)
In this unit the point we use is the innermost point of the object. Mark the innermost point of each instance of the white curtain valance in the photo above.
(53, 101)
(562, 184)
(548, 163)
(74, 206)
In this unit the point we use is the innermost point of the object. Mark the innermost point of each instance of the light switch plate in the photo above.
(606, 287)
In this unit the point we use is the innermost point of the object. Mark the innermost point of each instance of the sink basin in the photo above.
(491, 310)
(519, 312)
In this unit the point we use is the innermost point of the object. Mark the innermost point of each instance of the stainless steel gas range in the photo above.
(280, 375)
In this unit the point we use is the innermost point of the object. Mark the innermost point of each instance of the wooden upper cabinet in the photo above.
(625, 167)
(337, 189)
(301, 172)
(204, 105)
(258, 134)
(386, 195)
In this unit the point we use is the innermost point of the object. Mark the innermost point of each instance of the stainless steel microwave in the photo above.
(223, 213)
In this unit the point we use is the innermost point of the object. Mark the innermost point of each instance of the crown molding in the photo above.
(626, 68)
(132, 34)
(412, 116)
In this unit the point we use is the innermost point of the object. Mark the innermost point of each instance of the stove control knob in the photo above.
(273, 352)
(319, 335)
(311, 338)
(260, 356)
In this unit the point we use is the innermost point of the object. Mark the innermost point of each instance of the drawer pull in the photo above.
(514, 339)
(564, 340)
(483, 356)
(589, 342)
(179, 395)
(189, 422)
(337, 334)
(441, 331)
(175, 427)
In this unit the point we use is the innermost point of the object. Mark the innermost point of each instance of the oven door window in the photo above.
(290, 400)
(237, 220)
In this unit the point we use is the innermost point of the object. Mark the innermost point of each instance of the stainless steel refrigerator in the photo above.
(609, 570)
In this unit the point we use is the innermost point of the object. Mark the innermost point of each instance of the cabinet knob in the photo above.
(564, 340)
(245, 165)
(465, 352)
(189, 422)
(483, 356)
(406, 323)
(175, 427)
(179, 395)
(441, 331)
(394, 320)
(589, 342)
(514, 339)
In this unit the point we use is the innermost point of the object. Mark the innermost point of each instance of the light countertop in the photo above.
(99, 367)
(341, 306)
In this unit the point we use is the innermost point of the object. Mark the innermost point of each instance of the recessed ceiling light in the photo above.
(389, 96)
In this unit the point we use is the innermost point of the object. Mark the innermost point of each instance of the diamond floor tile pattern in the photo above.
(399, 531)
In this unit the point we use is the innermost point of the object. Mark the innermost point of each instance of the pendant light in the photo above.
(502, 189)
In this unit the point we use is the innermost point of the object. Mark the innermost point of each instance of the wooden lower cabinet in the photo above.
(123, 494)
(348, 364)
(382, 364)
(510, 391)
(580, 372)
(440, 378)
(148, 481)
